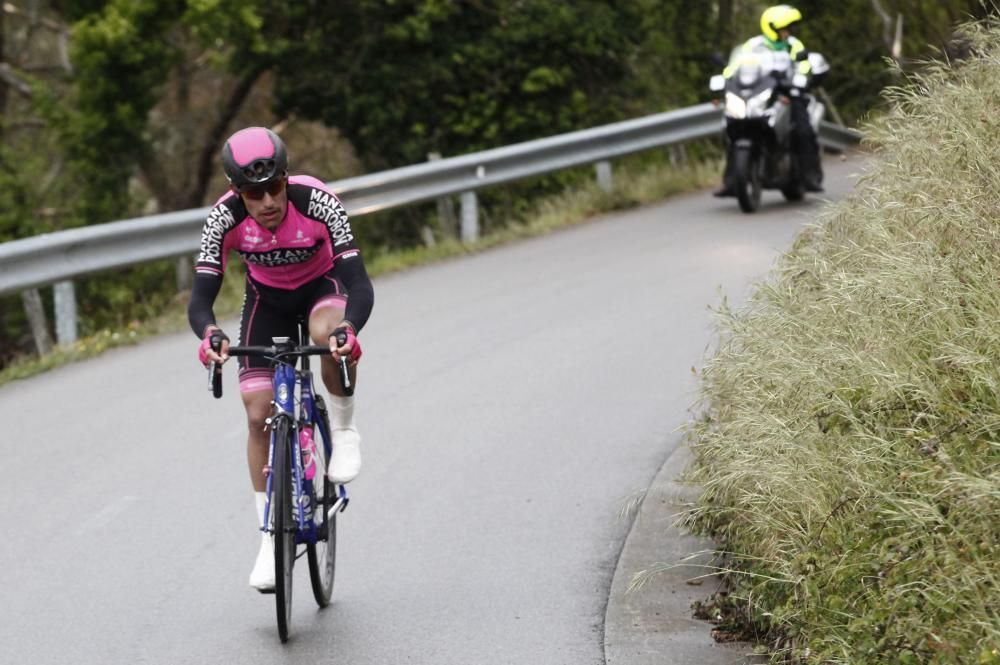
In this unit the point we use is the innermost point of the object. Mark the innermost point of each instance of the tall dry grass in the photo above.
(849, 443)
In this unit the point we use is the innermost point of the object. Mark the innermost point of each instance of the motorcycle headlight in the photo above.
(735, 106)
(756, 105)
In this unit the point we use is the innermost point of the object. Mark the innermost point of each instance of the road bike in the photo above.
(302, 503)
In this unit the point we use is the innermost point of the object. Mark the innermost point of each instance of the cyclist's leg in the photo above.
(324, 316)
(259, 322)
(321, 323)
(257, 403)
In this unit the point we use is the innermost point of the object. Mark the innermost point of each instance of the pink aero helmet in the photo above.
(253, 156)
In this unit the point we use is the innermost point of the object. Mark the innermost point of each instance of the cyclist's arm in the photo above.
(348, 267)
(350, 270)
(203, 294)
(211, 264)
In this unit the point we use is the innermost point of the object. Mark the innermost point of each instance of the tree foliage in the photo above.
(119, 66)
(675, 57)
(855, 39)
(157, 84)
(401, 79)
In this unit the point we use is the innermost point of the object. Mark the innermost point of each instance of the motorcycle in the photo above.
(758, 124)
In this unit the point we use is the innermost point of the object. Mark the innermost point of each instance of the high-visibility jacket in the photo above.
(757, 48)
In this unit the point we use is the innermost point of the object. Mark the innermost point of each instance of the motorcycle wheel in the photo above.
(795, 190)
(748, 185)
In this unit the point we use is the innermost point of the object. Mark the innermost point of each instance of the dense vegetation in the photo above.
(850, 442)
(113, 108)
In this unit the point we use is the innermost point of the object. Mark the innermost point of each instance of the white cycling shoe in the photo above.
(262, 575)
(345, 460)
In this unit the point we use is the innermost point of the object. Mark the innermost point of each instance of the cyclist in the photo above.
(301, 261)
(776, 24)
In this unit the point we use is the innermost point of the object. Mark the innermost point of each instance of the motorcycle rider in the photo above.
(776, 24)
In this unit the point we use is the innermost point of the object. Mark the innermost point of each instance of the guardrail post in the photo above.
(445, 208)
(35, 311)
(65, 306)
(604, 178)
(185, 273)
(470, 217)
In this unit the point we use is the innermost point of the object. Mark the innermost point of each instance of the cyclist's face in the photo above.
(267, 206)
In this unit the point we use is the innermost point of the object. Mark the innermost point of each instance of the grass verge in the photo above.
(634, 185)
(849, 437)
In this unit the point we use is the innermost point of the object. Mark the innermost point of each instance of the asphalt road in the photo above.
(510, 403)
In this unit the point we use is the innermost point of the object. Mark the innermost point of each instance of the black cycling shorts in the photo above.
(271, 312)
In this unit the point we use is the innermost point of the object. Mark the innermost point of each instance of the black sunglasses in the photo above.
(257, 192)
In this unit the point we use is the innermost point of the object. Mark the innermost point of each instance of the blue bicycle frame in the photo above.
(286, 378)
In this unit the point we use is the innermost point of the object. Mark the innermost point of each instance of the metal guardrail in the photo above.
(56, 257)
(837, 137)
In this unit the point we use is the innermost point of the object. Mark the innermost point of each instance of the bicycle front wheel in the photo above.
(284, 526)
(323, 553)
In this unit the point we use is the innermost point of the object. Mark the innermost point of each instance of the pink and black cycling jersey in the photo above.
(314, 235)
(312, 245)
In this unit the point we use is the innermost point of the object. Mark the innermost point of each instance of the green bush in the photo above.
(849, 446)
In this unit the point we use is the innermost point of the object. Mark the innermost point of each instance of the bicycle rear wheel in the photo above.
(284, 526)
(323, 553)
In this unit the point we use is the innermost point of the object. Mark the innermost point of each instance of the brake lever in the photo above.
(345, 377)
(215, 379)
